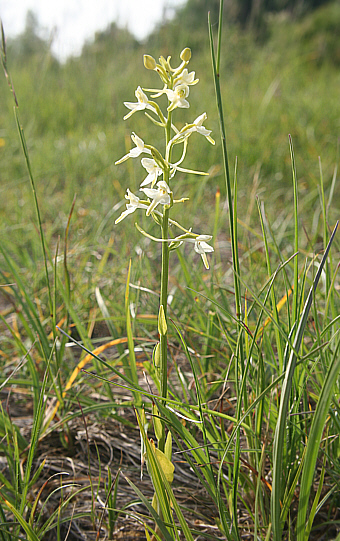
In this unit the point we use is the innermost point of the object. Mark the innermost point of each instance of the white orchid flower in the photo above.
(159, 196)
(186, 78)
(196, 126)
(141, 104)
(135, 152)
(202, 247)
(134, 204)
(153, 169)
(177, 97)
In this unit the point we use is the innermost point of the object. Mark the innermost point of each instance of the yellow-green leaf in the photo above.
(168, 446)
(166, 465)
(157, 423)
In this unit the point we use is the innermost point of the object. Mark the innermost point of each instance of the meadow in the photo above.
(250, 407)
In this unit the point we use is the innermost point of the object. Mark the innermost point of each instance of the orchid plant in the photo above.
(159, 195)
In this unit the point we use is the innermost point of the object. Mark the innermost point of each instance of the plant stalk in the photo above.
(164, 290)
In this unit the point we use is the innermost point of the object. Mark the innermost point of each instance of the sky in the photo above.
(72, 22)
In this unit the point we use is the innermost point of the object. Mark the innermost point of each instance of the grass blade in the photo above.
(279, 436)
(152, 511)
(313, 444)
(296, 232)
(31, 536)
(130, 363)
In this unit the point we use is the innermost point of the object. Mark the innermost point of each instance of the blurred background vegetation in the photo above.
(280, 75)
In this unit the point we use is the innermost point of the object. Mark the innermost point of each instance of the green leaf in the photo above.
(130, 364)
(157, 423)
(313, 443)
(279, 435)
(31, 536)
(153, 513)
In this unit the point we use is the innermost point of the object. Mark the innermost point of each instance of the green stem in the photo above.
(164, 291)
(163, 301)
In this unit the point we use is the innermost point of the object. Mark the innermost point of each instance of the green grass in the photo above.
(253, 402)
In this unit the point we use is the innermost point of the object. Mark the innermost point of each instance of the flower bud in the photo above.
(157, 156)
(149, 62)
(162, 326)
(185, 54)
(157, 356)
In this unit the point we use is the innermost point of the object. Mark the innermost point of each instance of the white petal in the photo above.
(203, 131)
(141, 96)
(123, 159)
(152, 206)
(187, 78)
(200, 119)
(160, 196)
(149, 164)
(137, 140)
(184, 104)
(147, 180)
(150, 192)
(204, 237)
(162, 184)
(131, 105)
(206, 247)
(202, 247)
(135, 152)
(131, 112)
(134, 199)
(182, 91)
(124, 214)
